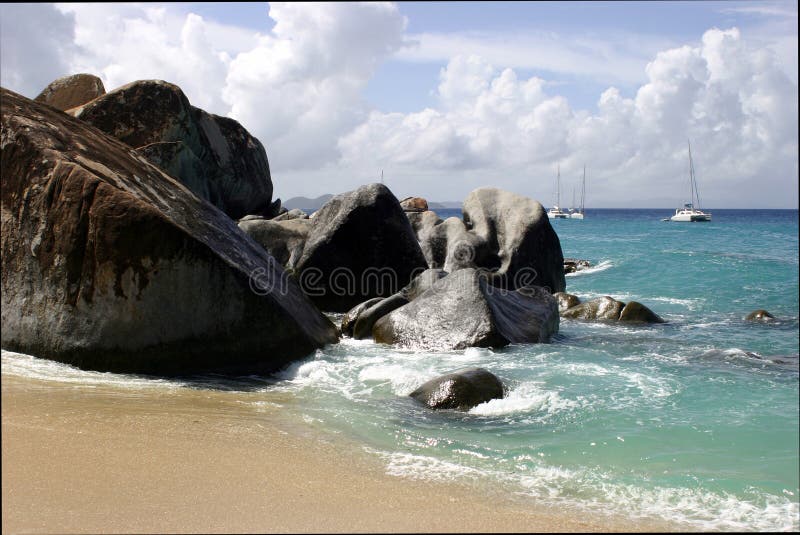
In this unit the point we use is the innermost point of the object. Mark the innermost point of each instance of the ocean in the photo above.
(695, 421)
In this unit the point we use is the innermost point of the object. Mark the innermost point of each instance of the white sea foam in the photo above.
(602, 266)
(526, 398)
(423, 467)
(23, 365)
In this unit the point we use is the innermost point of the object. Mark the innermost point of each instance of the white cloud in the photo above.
(299, 88)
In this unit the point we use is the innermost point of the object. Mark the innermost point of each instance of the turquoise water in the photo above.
(694, 421)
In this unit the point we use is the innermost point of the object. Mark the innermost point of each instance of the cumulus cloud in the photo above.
(733, 101)
(37, 44)
(299, 89)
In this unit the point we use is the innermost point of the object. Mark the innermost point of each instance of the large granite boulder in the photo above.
(463, 310)
(359, 320)
(449, 245)
(213, 156)
(414, 204)
(460, 390)
(524, 249)
(283, 239)
(566, 301)
(361, 245)
(110, 264)
(71, 91)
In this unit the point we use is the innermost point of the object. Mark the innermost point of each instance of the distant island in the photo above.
(312, 205)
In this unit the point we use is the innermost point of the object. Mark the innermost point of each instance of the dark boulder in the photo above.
(351, 316)
(571, 265)
(414, 204)
(609, 309)
(460, 390)
(600, 308)
(523, 248)
(566, 301)
(71, 91)
(637, 312)
(110, 264)
(284, 240)
(463, 310)
(213, 156)
(361, 245)
(759, 315)
(358, 322)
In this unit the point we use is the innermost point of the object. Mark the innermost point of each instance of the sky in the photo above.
(446, 97)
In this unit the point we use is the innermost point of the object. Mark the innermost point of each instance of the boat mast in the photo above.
(693, 180)
(583, 189)
(558, 188)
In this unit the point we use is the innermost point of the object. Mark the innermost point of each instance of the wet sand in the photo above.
(78, 459)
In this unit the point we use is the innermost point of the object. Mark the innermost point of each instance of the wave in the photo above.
(602, 266)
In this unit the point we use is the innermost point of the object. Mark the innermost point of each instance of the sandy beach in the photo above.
(80, 459)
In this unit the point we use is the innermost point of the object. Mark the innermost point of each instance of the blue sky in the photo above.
(449, 96)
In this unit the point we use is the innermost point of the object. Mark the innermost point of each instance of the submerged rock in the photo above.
(360, 245)
(571, 265)
(759, 315)
(71, 91)
(460, 390)
(462, 310)
(609, 309)
(110, 264)
(566, 301)
(213, 156)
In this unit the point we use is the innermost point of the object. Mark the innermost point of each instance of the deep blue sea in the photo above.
(694, 421)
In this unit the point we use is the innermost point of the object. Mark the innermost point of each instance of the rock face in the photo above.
(463, 310)
(566, 301)
(110, 264)
(571, 265)
(215, 157)
(283, 239)
(414, 204)
(523, 247)
(71, 91)
(460, 390)
(360, 245)
(609, 309)
(759, 315)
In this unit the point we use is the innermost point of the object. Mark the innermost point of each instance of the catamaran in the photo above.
(555, 212)
(691, 211)
(579, 213)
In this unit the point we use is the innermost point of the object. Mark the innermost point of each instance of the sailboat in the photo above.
(691, 211)
(579, 213)
(555, 212)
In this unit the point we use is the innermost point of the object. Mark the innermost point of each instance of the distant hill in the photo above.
(306, 204)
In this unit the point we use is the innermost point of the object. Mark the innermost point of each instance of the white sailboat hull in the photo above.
(576, 215)
(694, 216)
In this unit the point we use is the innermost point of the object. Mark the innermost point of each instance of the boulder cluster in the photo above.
(139, 234)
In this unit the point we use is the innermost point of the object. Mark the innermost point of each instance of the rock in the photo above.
(759, 315)
(213, 156)
(376, 308)
(294, 213)
(601, 308)
(351, 316)
(571, 265)
(609, 309)
(110, 264)
(566, 301)
(524, 249)
(361, 245)
(366, 319)
(637, 312)
(463, 310)
(71, 91)
(449, 245)
(460, 390)
(283, 240)
(414, 204)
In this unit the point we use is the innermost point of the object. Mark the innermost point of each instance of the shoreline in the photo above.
(79, 459)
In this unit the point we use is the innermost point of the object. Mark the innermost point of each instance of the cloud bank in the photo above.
(299, 89)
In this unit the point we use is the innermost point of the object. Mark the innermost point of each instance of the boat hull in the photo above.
(691, 218)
